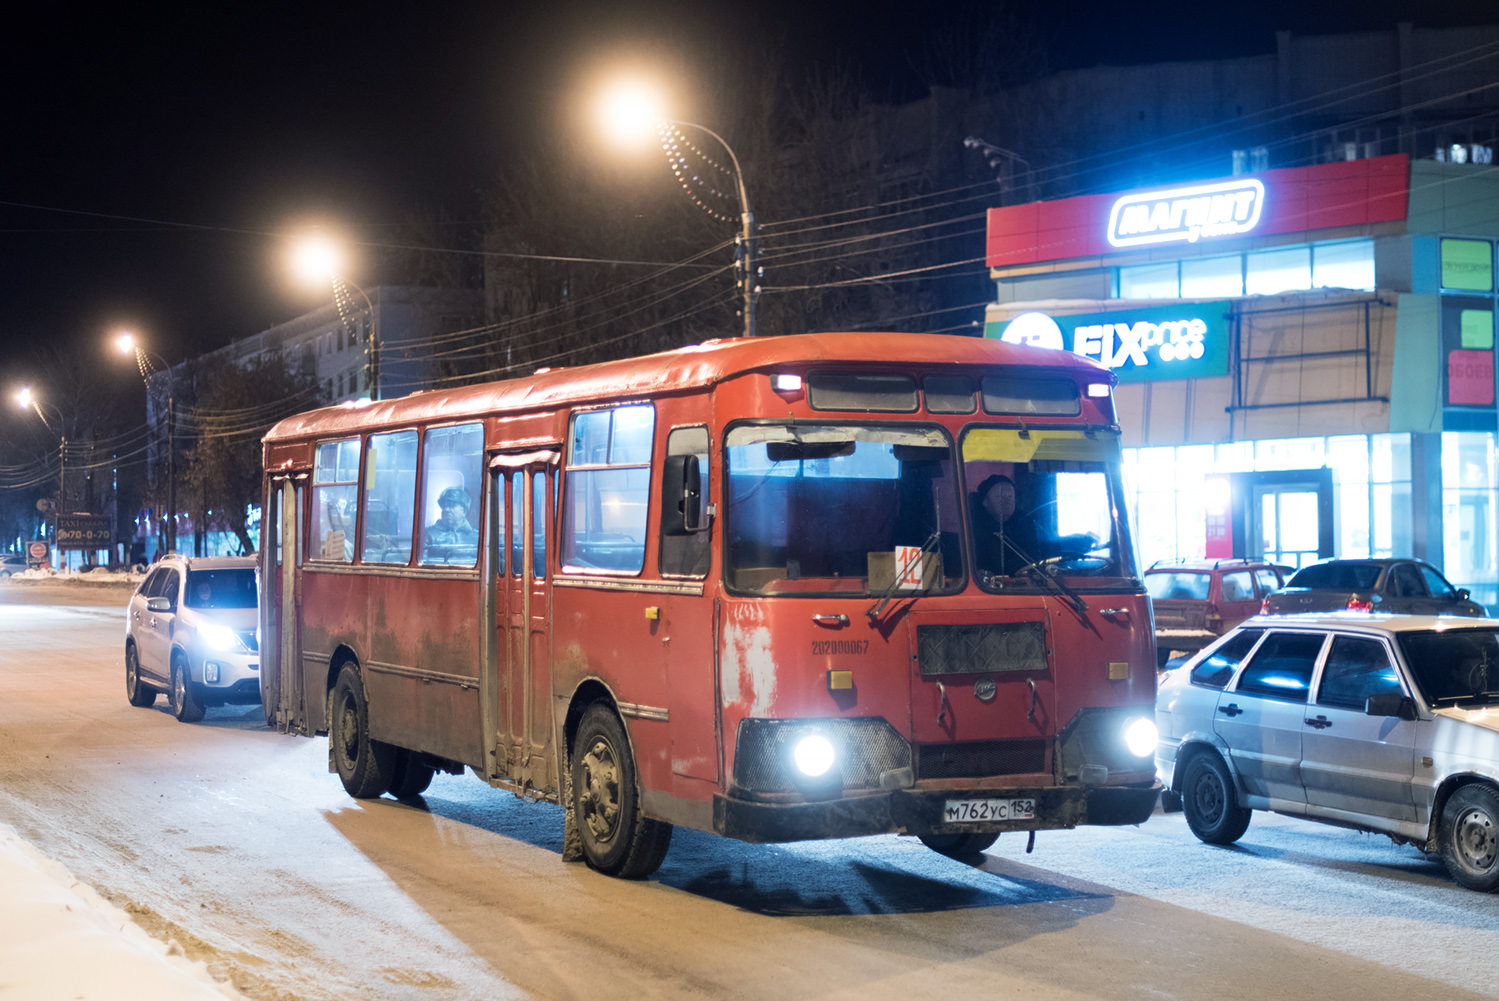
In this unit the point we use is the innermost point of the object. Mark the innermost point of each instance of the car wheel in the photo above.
(138, 692)
(186, 705)
(364, 765)
(1208, 800)
(1469, 837)
(616, 838)
(959, 846)
(409, 776)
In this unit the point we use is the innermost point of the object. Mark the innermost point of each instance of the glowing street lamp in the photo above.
(316, 259)
(126, 343)
(629, 111)
(27, 400)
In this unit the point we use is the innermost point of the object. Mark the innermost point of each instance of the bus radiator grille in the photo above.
(980, 758)
(981, 649)
(863, 748)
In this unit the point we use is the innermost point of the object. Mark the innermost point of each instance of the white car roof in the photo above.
(1382, 622)
(213, 562)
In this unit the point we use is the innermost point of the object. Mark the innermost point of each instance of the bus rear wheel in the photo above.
(617, 839)
(959, 846)
(364, 765)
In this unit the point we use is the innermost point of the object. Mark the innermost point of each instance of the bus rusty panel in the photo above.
(422, 666)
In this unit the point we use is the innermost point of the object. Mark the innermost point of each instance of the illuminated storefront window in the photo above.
(1371, 492)
(1470, 513)
(1346, 264)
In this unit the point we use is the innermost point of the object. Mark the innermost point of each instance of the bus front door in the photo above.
(281, 687)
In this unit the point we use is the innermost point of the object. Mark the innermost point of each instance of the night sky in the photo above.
(183, 148)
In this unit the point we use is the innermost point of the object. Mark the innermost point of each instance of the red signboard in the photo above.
(1470, 378)
(1218, 507)
(1296, 199)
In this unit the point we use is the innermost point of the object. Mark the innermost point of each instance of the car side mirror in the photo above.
(1463, 594)
(158, 604)
(1390, 704)
(682, 496)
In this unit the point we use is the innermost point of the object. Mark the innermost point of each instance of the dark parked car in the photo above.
(1196, 601)
(1406, 586)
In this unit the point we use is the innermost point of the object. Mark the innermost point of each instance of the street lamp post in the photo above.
(318, 259)
(27, 400)
(127, 345)
(630, 109)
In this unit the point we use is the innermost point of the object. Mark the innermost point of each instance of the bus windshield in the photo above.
(1045, 503)
(846, 509)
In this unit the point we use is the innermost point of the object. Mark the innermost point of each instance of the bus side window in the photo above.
(389, 498)
(604, 514)
(452, 468)
(539, 526)
(683, 553)
(517, 522)
(335, 500)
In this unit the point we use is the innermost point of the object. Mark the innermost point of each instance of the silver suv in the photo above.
(1381, 723)
(190, 631)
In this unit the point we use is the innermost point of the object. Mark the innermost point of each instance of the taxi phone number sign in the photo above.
(83, 531)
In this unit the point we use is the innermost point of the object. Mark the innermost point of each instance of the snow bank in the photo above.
(61, 941)
(131, 577)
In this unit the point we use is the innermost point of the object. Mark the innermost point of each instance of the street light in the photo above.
(628, 110)
(318, 259)
(127, 345)
(27, 400)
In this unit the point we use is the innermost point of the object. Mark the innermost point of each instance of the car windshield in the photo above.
(1454, 666)
(221, 588)
(1178, 585)
(842, 509)
(1337, 576)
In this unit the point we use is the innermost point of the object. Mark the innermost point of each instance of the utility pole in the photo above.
(747, 258)
(171, 470)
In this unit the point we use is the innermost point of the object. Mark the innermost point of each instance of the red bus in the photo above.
(757, 587)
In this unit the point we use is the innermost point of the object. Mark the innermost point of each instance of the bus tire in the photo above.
(617, 839)
(364, 765)
(408, 775)
(137, 691)
(959, 846)
(1469, 837)
(1210, 801)
(187, 706)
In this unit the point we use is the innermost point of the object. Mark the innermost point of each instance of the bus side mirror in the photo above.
(1390, 704)
(682, 496)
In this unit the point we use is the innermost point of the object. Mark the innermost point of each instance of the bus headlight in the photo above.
(1141, 736)
(813, 755)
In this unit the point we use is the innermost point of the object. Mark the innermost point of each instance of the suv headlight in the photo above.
(217, 636)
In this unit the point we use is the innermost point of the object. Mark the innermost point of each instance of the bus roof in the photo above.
(693, 367)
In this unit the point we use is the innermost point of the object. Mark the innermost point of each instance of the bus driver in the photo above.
(1003, 541)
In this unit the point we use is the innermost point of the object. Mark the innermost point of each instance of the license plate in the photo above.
(974, 811)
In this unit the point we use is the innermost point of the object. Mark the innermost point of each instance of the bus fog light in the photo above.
(1141, 736)
(211, 673)
(813, 755)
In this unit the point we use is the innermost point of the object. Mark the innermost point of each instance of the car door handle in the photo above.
(1320, 723)
(1230, 710)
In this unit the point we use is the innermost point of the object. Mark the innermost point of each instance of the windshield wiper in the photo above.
(874, 611)
(1045, 572)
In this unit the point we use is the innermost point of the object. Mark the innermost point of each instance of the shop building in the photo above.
(1306, 356)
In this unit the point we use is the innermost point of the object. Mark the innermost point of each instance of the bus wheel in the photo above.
(1469, 837)
(364, 765)
(959, 846)
(617, 839)
(186, 704)
(1209, 801)
(408, 776)
(138, 692)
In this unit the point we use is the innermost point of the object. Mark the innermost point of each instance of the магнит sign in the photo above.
(1186, 214)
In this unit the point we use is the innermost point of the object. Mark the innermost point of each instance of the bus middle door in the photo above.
(281, 675)
(523, 610)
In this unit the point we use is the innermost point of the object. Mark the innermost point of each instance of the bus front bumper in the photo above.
(916, 811)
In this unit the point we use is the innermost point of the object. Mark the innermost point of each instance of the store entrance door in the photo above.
(1287, 527)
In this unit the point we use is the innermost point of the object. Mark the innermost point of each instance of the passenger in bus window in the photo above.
(451, 538)
(1003, 541)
